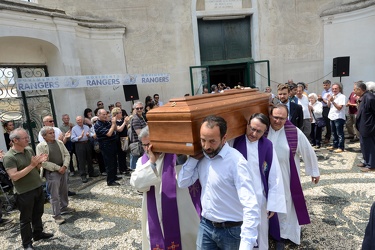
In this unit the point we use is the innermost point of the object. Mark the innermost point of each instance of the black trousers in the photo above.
(109, 153)
(369, 239)
(31, 207)
(83, 152)
(328, 123)
(121, 157)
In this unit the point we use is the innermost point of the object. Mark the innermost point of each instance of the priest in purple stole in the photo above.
(170, 215)
(290, 143)
(262, 160)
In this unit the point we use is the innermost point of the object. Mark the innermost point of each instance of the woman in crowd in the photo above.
(8, 127)
(149, 104)
(87, 114)
(317, 110)
(122, 133)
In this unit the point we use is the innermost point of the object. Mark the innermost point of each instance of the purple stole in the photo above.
(265, 155)
(295, 183)
(170, 219)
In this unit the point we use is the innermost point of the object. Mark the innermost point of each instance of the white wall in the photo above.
(351, 34)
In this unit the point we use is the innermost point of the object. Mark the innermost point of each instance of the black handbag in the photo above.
(320, 122)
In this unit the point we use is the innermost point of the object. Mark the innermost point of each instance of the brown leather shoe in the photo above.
(331, 148)
(361, 165)
(339, 150)
(367, 169)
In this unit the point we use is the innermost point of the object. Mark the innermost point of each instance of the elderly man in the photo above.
(291, 143)
(229, 202)
(263, 162)
(155, 176)
(336, 114)
(55, 172)
(66, 128)
(365, 125)
(80, 137)
(106, 134)
(23, 169)
(59, 135)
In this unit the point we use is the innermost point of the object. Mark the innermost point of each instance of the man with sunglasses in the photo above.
(291, 144)
(262, 161)
(59, 135)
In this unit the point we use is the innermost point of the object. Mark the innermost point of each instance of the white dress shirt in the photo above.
(227, 190)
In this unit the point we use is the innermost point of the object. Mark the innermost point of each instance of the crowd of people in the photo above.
(331, 112)
(233, 195)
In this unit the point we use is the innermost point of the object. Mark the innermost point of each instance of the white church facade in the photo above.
(193, 43)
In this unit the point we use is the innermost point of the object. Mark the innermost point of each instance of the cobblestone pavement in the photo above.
(109, 217)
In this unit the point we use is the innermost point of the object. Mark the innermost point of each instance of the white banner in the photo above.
(68, 82)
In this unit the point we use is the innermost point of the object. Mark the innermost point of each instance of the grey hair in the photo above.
(370, 86)
(15, 133)
(144, 133)
(45, 129)
(339, 84)
(136, 104)
(313, 95)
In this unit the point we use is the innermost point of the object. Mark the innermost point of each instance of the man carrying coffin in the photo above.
(230, 211)
(262, 161)
(170, 215)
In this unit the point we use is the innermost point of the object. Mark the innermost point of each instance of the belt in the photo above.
(81, 141)
(225, 224)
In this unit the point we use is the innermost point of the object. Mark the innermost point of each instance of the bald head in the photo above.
(48, 121)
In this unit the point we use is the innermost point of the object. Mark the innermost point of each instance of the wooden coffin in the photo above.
(175, 126)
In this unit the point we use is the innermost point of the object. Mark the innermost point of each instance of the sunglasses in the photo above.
(139, 108)
(50, 121)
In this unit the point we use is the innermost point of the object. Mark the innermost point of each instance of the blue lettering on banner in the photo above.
(63, 82)
(102, 82)
(155, 79)
(37, 85)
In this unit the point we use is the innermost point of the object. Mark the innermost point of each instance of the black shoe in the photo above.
(84, 179)
(94, 175)
(113, 184)
(118, 178)
(354, 140)
(127, 173)
(71, 193)
(43, 236)
(280, 245)
(28, 247)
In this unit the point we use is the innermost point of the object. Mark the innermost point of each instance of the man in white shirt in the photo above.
(59, 135)
(336, 114)
(230, 211)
